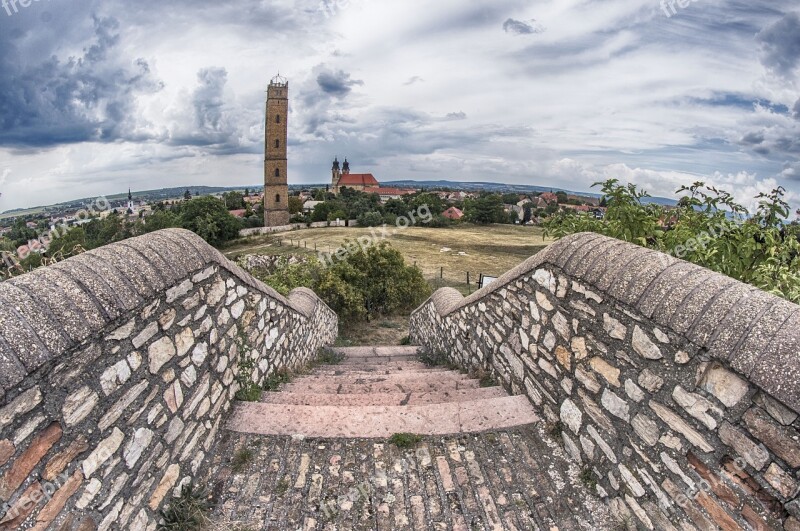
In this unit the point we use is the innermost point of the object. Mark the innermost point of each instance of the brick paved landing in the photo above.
(509, 479)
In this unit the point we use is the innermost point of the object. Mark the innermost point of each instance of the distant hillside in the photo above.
(153, 196)
(501, 187)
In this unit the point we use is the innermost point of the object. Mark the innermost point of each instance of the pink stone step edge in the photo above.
(379, 360)
(378, 370)
(372, 378)
(377, 352)
(382, 399)
(367, 422)
(383, 387)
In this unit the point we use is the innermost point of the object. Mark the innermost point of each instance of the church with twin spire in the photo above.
(342, 177)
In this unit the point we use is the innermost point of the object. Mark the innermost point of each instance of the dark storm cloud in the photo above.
(83, 98)
(780, 45)
(796, 110)
(336, 83)
(753, 138)
(519, 27)
(208, 98)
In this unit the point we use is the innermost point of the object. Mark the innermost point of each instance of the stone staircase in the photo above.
(376, 392)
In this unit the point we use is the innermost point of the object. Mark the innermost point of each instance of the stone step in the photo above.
(378, 360)
(381, 421)
(407, 378)
(411, 386)
(382, 399)
(367, 370)
(377, 352)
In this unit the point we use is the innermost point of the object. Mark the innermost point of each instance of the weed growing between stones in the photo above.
(405, 440)
(189, 512)
(405, 341)
(249, 391)
(588, 479)
(274, 381)
(555, 429)
(329, 356)
(241, 459)
(283, 375)
(437, 359)
(485, 378)
(282, 487)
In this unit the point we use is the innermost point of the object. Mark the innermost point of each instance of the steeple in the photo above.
(346, 167)
(335, 164)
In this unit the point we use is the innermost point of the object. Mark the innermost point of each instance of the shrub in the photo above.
(370, 219)
(367, 283)
(707, 228)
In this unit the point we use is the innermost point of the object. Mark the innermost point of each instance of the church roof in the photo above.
(358, 179)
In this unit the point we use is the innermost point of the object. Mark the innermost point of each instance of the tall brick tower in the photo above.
(276, 188)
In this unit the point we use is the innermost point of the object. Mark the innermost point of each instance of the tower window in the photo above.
(277, 144)
(278, 198)
(277, 172)
(277, 118)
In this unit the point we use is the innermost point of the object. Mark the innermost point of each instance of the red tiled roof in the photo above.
(358, 179)
(453, 213)
(238, 213)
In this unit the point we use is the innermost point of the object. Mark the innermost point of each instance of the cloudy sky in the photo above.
(98, 96)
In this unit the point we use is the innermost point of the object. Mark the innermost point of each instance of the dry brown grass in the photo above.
(382, 331)
(491, 250)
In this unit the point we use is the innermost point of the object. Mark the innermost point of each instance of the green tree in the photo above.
(421, 200)
(187, 195)
(366, 284)
(370, 219)
(510, 199)
(233, 200)
(707, 228)
(295, 205)
(209, 218)
(485, 209)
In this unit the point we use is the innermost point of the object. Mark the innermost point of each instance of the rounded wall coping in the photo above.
(51, 310)
(754, 332)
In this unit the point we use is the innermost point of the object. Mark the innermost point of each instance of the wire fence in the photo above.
(467, 282)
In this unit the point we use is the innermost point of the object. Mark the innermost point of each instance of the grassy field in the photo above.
(490, 250)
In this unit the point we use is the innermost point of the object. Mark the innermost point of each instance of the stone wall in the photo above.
(117, 368)
(296, 226)
(676, 387)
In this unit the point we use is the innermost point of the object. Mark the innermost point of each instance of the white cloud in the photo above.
(412, 89)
